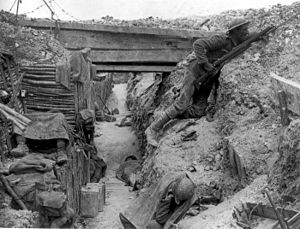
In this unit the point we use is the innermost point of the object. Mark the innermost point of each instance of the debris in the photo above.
(189, 136)
(12, 192)
(19, 120)
(281, 221)
(289, 218)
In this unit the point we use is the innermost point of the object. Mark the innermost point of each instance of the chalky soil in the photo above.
(114, 144)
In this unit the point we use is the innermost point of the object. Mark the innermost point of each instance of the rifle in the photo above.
(238, 50)
(235, 52)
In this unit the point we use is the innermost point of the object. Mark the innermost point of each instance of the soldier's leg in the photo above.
(196, 110)
(181, 103)
(154, 225)
(184, 100)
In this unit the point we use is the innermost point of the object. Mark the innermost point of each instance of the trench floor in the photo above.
(114, 144)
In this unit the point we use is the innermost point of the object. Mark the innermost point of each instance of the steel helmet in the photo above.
(184, 190)
(237, 22)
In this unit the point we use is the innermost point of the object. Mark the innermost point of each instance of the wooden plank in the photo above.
(268, 211)
(138, 56)
(291, 90)
(115, 41)
(283, 108)
(133, 68)
(40, 24)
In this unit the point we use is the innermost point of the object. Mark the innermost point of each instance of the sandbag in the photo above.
(31, 163)
(46, 126)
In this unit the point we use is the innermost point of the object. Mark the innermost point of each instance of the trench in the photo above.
(114, 144)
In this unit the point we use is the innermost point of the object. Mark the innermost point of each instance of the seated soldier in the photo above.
(161, 205)
(176, 194)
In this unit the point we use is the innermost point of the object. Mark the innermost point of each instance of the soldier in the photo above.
(176, 194)
(161, 205)
(194, 101)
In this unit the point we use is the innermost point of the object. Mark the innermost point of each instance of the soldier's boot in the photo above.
(210, 112)
(152, 131)
(61, 152)
(209, 117)
(21, 149)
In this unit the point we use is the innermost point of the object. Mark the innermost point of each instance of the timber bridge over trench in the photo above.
(123, 48)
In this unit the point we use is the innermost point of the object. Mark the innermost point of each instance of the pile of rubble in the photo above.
(29, 46)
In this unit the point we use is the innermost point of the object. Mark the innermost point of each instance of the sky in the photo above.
(130, 9)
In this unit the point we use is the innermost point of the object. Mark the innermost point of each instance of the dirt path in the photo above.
(114, 144)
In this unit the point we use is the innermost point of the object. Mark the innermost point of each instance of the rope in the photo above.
(32, 11)
(64, 11)
(51, 10)
(12, 5)
(39, 7)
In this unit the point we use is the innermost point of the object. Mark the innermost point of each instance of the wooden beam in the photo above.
(43, 24)
(138, 56)
(285, 121)
(291, 90)
(102, 40)
(133, 68)
(268, 211)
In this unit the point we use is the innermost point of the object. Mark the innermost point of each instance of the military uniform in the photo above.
(192, 101)
(194, 98)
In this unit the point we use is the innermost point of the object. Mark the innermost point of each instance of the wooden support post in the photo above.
(89, 167)
(3, 77)
(283, 108)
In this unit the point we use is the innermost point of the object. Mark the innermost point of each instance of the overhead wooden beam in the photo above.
(138, 56)
(133, 68)
(46, 24)
(291, 90)
(123, 48)
(102, 40)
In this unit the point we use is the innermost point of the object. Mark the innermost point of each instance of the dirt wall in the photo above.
(241, 146)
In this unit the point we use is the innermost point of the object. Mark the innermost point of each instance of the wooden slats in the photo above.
(45, 94)
(291, 90)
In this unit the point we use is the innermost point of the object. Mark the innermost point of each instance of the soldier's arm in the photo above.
(201, 46)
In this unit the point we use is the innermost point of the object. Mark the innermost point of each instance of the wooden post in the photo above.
(3, 77)
(89, 168)
(285, 121)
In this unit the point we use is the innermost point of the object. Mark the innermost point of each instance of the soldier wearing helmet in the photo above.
(177, 193)
(238, 30)
(161, 205)
(195, 101)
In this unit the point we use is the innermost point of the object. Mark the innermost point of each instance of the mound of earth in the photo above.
(29, 46)
(247, 121)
